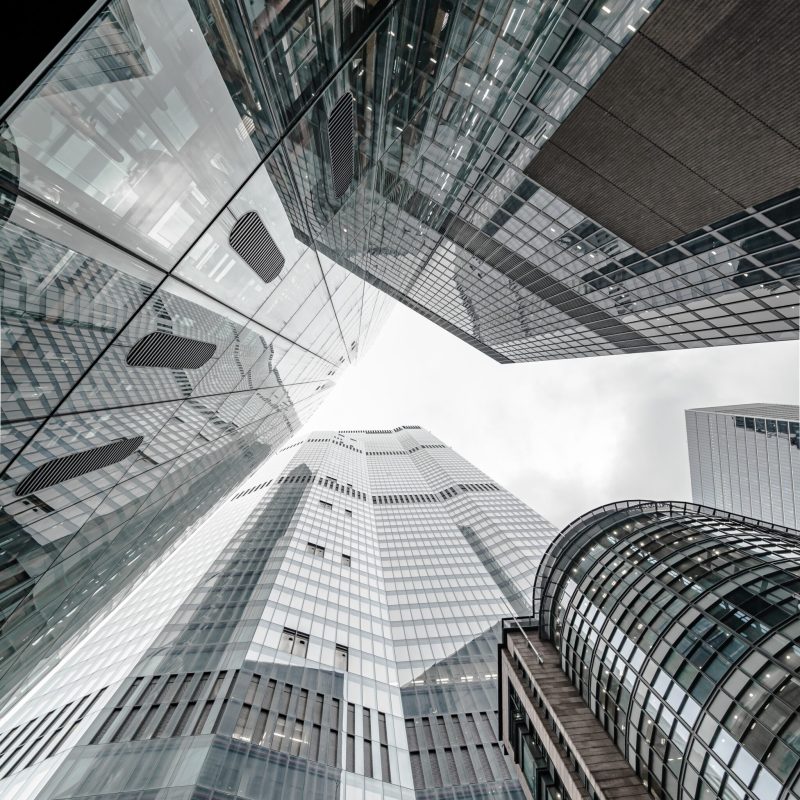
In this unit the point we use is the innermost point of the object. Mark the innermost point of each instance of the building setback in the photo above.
(338, 640)
(746, 459)
(663, 659)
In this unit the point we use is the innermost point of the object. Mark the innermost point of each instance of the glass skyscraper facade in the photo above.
(746, 459)
(205, 205)
(331, 631)
(676, 627)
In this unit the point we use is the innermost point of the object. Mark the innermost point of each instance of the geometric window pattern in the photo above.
(679, 627)
(41, 737)
(75, 464)
(160, 349)
(341, 143)
(251, 240)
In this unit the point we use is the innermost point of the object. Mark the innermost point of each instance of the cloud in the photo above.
(564, 436)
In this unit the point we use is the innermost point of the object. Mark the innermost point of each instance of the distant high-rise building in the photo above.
(663, 660)
(746, 459)
(331, 632)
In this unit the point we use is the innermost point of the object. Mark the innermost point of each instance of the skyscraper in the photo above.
(665, 658)
(331, 632)
(201, 201)
(746, 459)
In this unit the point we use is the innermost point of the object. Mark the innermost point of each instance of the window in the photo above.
(345, 560)
(340, 657)
(341, 143)
(36, 503)
(324, 503)
(252, 241)
(71, 466)
(294, 642)
(161, 349)
(348, 512)
(315, 549)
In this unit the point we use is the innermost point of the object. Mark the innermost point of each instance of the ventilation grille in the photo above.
(161, 349)
(342, 144)
(75, 464)
(251, 240)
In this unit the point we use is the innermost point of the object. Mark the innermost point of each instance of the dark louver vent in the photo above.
(75, 464)
(251, 240)
(161, 349)
(342, 143)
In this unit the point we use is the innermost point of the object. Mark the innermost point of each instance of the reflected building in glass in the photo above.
(330, 632)
(164, 331)
(746, 459)
(663, 659)
(205, 206)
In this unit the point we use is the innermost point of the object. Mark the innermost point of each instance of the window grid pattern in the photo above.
(746, 459)
(678, 626)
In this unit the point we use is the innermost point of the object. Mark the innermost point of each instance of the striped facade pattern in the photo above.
(342, 143)
(251, 240)
(63, 469)
(42, 737)
(160, 349)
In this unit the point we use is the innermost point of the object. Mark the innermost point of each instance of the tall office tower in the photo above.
(665, 659)
(746, 459)
(190, 191)
(339, 641)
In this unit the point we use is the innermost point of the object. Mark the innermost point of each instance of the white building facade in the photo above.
(330, 632)
(746, 459)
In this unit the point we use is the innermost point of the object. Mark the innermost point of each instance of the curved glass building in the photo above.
(680, 627)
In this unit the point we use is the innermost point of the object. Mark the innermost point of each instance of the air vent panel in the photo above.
(341, 142)
(251, 240)
(160, 349)
(75, 464)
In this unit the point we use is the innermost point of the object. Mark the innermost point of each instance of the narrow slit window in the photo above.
(341, 142)
(161, 349)
(65, 468)
(252, 241)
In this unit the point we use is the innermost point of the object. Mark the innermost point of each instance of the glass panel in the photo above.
(145, 127)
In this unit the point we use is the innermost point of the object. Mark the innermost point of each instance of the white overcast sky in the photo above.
(564, 436)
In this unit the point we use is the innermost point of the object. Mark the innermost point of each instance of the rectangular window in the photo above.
(345, 560)
(348, 512)
(36, 503)
(294, 642)
(340, 658)
(326, 504)
(315, 549)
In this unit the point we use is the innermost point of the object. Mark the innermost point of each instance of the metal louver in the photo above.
(160, 349)
(251, 240)
(75, 464)
(341, 142)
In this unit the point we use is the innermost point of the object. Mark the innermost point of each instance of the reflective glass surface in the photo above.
(123, 172)
(678, 626)
(126, 167)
